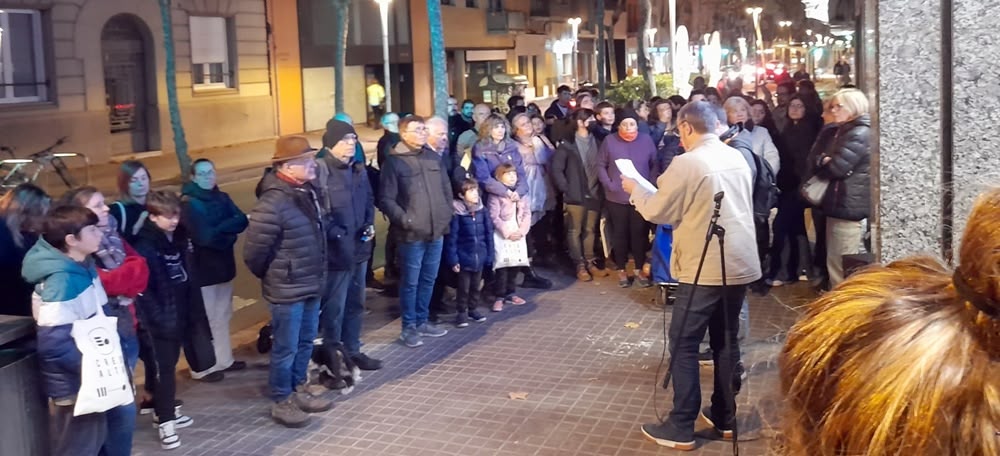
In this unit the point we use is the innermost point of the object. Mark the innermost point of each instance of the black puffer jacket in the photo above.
(171, 293)
(285, 243)
(796, 141)
(849, 194)
(214, 222)
(416, 193)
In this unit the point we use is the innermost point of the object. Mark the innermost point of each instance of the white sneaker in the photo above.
(180, 421)
(168, 436)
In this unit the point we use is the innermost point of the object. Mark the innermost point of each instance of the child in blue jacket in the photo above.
(67, 289)
(469, 250)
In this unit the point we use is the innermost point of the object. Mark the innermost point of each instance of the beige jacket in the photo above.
(684, 199)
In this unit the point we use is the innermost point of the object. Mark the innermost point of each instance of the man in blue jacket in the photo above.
(348, 208)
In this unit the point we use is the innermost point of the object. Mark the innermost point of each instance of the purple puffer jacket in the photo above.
(487, 156)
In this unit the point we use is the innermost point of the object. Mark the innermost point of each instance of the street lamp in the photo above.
(788, 25)
(754, 12)
(383, 9)
(651, 32)
(575, 23)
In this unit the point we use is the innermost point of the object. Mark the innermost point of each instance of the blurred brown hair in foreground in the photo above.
(902, 359)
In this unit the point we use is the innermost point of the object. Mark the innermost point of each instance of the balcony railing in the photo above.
(503, 22)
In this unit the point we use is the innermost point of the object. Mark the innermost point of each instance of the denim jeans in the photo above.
(343, 307)
(706, 312)
(121, 420)
(741, 334)
(418, 271)
(294, 327)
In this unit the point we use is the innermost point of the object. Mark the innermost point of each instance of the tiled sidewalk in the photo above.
(589, 381)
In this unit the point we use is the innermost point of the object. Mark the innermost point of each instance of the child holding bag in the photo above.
(511, 218)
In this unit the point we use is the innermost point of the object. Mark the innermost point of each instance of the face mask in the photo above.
(628, 137)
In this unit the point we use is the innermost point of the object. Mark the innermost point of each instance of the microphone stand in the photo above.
(714, 230)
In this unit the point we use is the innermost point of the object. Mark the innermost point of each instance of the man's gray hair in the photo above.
(437, 121)
(701, 115)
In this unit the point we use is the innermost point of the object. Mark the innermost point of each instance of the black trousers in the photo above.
(392, 252)
(789, 224)
(504, 282)
(468, 293)
(722, 323)
(629, 234)
(819, 251)
(164, 386)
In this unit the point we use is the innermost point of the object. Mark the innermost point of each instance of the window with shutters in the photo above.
(22, 61)
(211, 60)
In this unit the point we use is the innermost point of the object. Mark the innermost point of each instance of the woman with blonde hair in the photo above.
(902, 359)
(844, 164)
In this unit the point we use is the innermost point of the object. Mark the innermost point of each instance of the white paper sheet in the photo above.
(628, 170)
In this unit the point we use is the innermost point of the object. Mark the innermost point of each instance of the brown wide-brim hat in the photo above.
(292, 147)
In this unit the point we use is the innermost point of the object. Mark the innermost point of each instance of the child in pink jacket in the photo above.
(511, 218)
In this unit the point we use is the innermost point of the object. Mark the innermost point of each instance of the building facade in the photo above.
(93, 70)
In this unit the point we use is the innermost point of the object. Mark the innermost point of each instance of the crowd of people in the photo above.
(475, 202)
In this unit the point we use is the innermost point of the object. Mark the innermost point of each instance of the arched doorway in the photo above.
(129, 85)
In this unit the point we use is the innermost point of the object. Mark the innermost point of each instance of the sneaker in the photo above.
(287, 414)
(236, 366)
(723, 432)
(477, 317)
(214, 377)
(429, 330)
(180, 421)
(623, 281)
(374, 284)
(515, 301)
(596, 271)
(309, 403)
(706, 358)
(582, 274)
(498, 305)
(462, 320)
(643, 280)
(168, 436)
(410, 337)
(366, 363)
(146, 407)
(666, 435)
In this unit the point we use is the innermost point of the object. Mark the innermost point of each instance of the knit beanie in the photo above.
(335, 131)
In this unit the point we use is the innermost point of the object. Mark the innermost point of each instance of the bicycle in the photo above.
(16, 171)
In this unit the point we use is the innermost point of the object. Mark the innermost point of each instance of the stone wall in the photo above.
(936, 145)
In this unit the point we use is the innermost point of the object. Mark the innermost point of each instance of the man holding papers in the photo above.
(685, 201)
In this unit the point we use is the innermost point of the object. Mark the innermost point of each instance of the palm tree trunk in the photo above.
(180, 142)
(602, 79)
(438, 59)
(645, 10)
(341, 12)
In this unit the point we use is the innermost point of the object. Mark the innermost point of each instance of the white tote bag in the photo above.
(508, 253)
(814, 190)
(104, 380)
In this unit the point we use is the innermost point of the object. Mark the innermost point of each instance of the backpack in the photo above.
(765, 189)
(765, 185)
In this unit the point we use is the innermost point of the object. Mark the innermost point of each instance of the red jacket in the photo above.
(129, 279)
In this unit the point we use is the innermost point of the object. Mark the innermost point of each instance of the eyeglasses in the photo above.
(417, 130)
(350, 137)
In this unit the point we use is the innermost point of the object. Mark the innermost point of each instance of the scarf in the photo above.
(111, 253)
(628, 137)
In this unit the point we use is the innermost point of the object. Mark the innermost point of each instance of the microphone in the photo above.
(718, 197)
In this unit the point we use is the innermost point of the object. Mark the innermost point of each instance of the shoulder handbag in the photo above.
(814, 189)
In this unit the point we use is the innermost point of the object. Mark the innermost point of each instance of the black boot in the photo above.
(533, 280)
